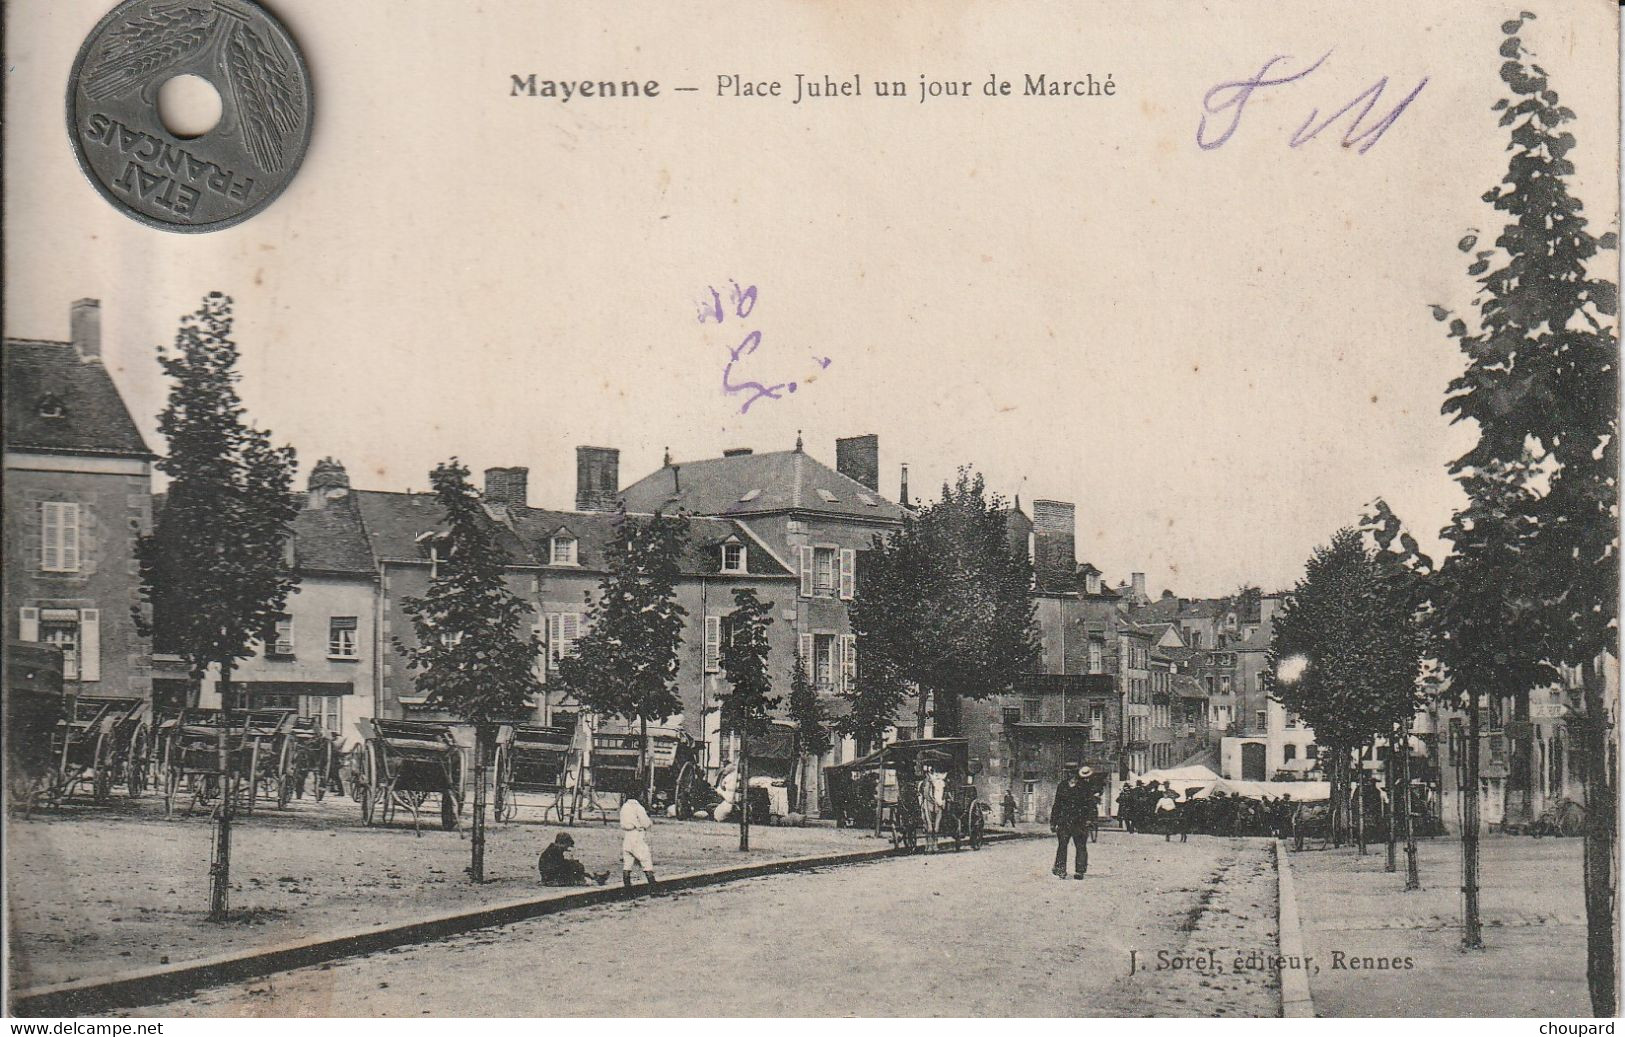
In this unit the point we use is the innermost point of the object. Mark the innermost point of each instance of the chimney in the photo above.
(858, 458)
(1055, 542)
(509, 487)
(86, 323)
(902, 495)
(328, 481)
(738, 451)
(1139, 586)
(598, 477)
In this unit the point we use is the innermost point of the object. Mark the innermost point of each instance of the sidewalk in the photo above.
(1533, 909)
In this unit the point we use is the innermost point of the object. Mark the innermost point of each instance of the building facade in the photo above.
(78, 498)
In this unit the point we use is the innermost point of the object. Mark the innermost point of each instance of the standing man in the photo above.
(1009, 809)
(1070, 819)
(635, 843)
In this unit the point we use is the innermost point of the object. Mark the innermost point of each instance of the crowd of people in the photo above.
(1161, 809)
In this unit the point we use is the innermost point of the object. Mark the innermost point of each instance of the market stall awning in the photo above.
(1300, 791)
(907, 749)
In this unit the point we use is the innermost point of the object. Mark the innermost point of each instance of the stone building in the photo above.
(78, 497)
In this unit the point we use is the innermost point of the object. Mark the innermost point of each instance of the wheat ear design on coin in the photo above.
(267, 106)
(143, 47)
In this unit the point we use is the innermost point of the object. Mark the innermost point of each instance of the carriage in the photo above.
(674, 757)
(536, 760)
(69, 744)
(313, 757)
(403, 763)
(925, 794)
(259, 756)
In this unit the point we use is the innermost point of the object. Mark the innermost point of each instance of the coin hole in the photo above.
(189, 106)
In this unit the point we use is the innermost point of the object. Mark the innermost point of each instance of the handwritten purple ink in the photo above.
(743, 302)
(1233, 96)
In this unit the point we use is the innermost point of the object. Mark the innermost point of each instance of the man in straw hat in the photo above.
(1070, 819)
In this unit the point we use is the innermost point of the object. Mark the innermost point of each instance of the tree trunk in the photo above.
(1521, 780)
(1472, 936)
(1413, 879)
(1359, 802)
(744, 796)
(220, 866)
(1392, 863)
(919, 724)
(643, 759)
(1339, 758)
(483, 733)
(1601, 880)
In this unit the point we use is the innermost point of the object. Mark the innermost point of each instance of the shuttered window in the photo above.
(59, 537)
(713, 644)
(563, 631)
(849, 662)
(848, 573)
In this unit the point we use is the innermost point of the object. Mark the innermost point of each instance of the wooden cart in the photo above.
(536, 761)
(258, 757)
(931, 798)
(406, 762)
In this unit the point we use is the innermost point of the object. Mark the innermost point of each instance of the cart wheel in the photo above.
(101, 777)
(683, 792)
(448, 810)
(284, 791)
(135, 764)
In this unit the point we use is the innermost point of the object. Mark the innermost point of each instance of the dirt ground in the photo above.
(991, 933)
(98, 891)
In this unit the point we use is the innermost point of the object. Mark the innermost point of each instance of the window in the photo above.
(824, 573)
(824, 664)
(1096, 657)
(1289, 752)
(59, 537)
(1097, 723)
(563, 631)
(1261, 719)
(1032, 710)
(50, 406)
(60, 627)
(733, 558)
(341, 642)
(281, 640)
(563, 550)
(1311, 751)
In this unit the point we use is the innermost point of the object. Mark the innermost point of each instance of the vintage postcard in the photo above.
(811, 508)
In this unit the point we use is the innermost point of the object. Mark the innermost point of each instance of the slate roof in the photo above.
(394, 521)
(94, 418)
(331, 539)
(786, 480)
(594, 530)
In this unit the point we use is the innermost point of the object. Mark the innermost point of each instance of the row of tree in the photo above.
(1531, 581)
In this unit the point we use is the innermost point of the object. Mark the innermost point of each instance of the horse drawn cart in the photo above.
(404, 762)
(76, 743)
(674, 757)
(925, 793)
(259, 756)
(537, 761)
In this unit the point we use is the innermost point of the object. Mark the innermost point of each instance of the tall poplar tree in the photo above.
(475, 652)
(748, 704)
(214, 571)
(626, 664)
(1542, 386)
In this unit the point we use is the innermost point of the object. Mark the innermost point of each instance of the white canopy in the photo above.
(1300, 791)
(1181, 778)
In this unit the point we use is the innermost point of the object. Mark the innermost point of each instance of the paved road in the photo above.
(988, 933)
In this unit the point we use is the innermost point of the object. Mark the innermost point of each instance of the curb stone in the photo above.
(1296, 1000)
(169, 982)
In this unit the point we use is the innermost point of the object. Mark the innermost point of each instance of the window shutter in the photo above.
(806, 572)
(554, 636)
(570, 629)
(713, 643)
(28, 625)
(849, 661)
(807, 659)
(540, 630)
(90, 645)
(848, 564)
(50, 551)
(70, 537)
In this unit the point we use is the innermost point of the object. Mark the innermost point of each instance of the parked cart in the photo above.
(931, 798)
(536, 761)
(406, 762)
(258, 756)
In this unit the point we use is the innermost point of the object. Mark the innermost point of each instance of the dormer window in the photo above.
(749, 496)
(50, 406)
(563, 550)
(828, 497)
(733, 558)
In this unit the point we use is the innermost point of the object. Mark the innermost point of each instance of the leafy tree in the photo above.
(748, 706)
(807, 714)
(1542, 386)
(475, 653)
(213, 572)
(1360, 654)
(945, 608)
(626, 665)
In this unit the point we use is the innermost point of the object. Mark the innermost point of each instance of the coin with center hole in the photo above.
(221, 176)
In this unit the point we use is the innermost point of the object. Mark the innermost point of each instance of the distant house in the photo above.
(77, 498)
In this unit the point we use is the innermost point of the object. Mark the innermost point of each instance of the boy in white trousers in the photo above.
(635, 843)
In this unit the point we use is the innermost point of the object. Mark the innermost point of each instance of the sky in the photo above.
(1220, 355)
